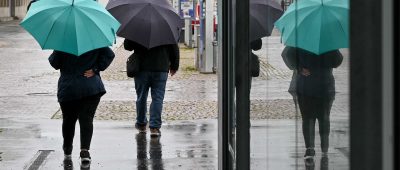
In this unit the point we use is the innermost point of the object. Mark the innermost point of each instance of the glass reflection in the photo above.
(314, 88)
(303, 79)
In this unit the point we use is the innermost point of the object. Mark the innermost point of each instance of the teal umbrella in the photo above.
(70, 26)
(317, 26)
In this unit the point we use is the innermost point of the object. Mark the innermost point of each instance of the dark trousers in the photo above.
(312, 109)
(82, 110)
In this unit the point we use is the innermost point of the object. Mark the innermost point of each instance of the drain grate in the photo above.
(40, 94)
(41, 157)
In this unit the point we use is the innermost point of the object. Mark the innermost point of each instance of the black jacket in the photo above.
(157, 59)
(72, 85)
(321, 82)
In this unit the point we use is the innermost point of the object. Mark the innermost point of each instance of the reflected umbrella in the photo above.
(317, 26)
(263, 14)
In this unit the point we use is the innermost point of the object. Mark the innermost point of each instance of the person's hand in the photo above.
(305, 72)
(172, 72)
(89, 73)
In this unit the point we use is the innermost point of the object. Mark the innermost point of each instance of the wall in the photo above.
(19, 8)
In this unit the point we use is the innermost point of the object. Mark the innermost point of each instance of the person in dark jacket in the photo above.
(255, 61)
(155, 63)
(313, 85)
(79, 91)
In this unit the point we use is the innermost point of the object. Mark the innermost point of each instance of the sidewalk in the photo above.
(30, 128)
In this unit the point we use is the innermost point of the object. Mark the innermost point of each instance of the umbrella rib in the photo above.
(131, 20)
(123, 25)
(52, 25)
(338, 20)
(299, 23)
(167, 23)
(94, 23)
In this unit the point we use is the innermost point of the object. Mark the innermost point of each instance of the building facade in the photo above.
(13, 9)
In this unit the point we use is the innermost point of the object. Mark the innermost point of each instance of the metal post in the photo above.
(12, 8)
(188, 31)
(242, 56)
(209, 38)
(215, 55)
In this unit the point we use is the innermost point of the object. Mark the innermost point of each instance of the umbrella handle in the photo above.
(115, 37)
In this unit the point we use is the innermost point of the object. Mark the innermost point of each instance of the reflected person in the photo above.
(314, 86)
(254, 59)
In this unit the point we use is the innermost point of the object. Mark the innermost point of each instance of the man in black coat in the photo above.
(154, 65)
(79, 91)
(314, 86)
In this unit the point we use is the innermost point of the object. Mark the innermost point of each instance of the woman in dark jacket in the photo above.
(314, 87)
(79, 91)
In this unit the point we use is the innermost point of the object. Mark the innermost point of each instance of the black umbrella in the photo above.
(263, 14)
(150, 23)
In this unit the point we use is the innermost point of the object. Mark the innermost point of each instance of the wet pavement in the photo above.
(30, 131)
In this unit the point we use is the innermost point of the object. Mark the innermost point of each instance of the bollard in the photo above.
(188, 32)
(215, 55)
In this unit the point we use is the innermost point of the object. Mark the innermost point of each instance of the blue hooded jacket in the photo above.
(72, 84)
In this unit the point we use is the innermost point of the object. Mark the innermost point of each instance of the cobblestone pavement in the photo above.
(192, 110)
(191, 95)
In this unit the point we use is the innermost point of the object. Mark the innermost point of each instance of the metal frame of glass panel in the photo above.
(234, 85)
(372, 79)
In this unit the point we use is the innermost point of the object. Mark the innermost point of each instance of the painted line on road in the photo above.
(38, 160)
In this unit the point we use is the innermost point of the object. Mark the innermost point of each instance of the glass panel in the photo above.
(300, 99)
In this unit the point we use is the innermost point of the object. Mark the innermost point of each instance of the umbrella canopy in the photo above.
(317, 26)
(150, 23)
(70, 26)
(263, 14)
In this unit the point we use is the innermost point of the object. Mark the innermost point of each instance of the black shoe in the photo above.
(310, 164)
(324, 162)
(155, 132)
(310, 153)
(141, 128)
(85, 157)
(67, 163)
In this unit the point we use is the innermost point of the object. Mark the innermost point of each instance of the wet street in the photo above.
(30, 124)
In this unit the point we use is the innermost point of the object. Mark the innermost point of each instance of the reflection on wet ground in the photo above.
(324, 164)
(183, 145)
(155, 152)
(116, 145)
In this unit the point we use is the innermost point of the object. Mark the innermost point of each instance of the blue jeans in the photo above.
(155, 81)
